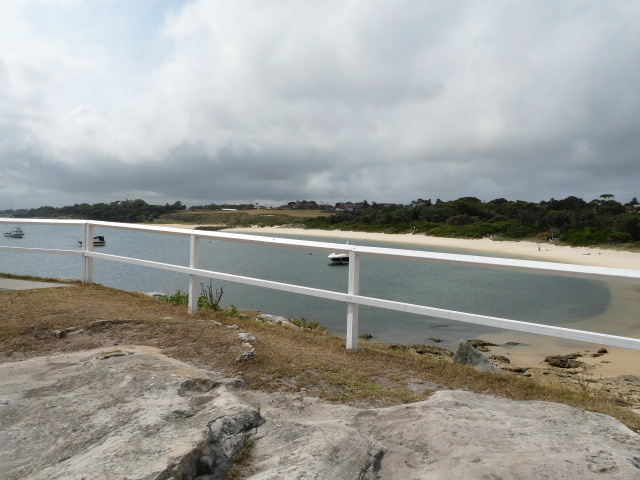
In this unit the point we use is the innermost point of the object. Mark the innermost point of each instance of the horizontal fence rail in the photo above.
(352, 297)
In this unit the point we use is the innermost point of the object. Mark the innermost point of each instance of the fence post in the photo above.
(87, 246)
(194, 280)
(353, 309)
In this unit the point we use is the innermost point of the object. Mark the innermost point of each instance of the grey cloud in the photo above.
(387, 101)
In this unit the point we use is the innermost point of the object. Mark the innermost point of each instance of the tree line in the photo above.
(571, 220)
(127, 211)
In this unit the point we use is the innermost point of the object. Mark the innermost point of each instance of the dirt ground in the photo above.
(307, 361)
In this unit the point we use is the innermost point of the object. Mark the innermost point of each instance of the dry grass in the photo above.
(291, 213)
(307, 361)
(241, 217)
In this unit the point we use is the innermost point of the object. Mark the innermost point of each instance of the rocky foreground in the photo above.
(133, 413)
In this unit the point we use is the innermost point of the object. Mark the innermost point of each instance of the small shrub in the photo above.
(304, 323)
(178, 298)
(232, 311)
(209, 299)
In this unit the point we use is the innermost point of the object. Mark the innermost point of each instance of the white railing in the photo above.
(352, 296)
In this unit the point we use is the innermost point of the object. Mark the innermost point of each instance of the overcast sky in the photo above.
(213, 101)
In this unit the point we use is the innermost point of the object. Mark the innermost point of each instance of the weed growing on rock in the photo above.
(237, 461)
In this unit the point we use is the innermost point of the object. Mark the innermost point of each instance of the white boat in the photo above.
(15, 232)
(98, 241)
(339, 258)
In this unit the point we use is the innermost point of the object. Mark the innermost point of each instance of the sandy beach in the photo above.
(548, 252)
(533, 348)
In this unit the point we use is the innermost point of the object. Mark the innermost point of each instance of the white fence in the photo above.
(352, 296)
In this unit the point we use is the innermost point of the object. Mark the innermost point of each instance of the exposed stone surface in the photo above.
(245, 356)
(157, 294)
(247, 337)
(467, 354)
(276, 320)
(565, 361)
(453, 435)
(131, 413)
(481, 345)
(107, 323)
(500, 359)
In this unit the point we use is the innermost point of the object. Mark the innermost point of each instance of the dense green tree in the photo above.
(571, 219)
(129, 211)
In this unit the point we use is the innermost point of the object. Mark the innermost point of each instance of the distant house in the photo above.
(300, 205)
(347, 207)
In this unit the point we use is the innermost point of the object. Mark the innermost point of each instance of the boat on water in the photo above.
(339, 258)
(98, 241)
(15, 232)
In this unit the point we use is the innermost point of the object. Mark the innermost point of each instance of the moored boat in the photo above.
(15, 232)
(98, 241)
(339, 258)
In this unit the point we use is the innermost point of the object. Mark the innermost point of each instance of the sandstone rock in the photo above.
(500, 359)
(275, 319)
(564, 361)
(245, 356)
(247, 337)
(157, 294)
(467, 354)
(481, 345)
(144, 416)
(432, 350)
(453, 435)
(106, 323)
(139, 415)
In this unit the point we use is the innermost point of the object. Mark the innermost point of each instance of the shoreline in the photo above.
(549, 252)
(534, 348)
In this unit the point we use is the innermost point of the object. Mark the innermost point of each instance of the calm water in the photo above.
(528, 297)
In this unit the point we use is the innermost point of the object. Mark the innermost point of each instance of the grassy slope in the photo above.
(307, 361)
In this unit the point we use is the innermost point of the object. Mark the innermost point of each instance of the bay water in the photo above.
(528, 297)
